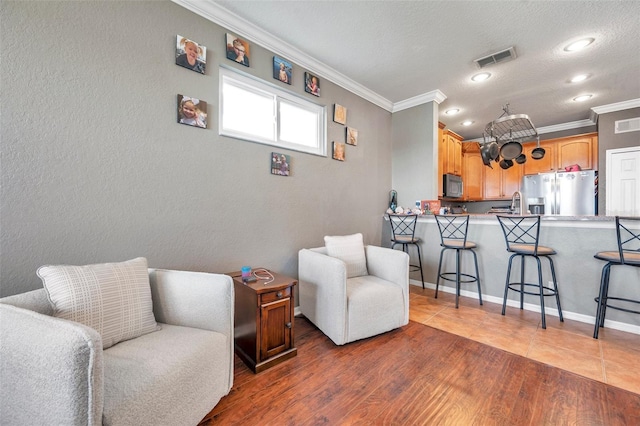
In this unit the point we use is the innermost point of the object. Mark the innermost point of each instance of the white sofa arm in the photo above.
(51, 370)
(322, 288)
(193, 299)
(391, 265)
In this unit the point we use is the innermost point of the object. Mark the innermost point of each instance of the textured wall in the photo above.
(95, 167)
(415, 156)
(608, 139)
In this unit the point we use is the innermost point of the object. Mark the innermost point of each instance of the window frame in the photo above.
(260, 87)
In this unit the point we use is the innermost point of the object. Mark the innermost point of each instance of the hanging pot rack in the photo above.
(512, 129)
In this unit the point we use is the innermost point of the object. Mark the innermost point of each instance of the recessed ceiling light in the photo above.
(467, 123)
(579, 78)
(580, 44)
(481, 77)
(452, 111)
(582, 98)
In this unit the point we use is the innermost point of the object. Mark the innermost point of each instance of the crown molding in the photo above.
(566, 126)
(618, 106)
(433, 96)
(232, 22)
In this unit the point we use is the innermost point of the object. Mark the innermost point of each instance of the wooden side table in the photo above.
(264, 320)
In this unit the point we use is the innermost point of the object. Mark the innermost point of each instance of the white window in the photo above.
(256, 111)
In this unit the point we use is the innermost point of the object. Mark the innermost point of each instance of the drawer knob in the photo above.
(288, 325)
(279, 294)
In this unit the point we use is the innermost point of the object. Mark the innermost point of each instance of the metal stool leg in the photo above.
(541, 285)
(506, 287)
(521, 282)
(439, 271)
(602, 298)
(457, 276)
(475, 259)
(555, 287)
(420, 263)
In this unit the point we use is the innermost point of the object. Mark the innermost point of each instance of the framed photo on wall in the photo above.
(238, 49)
(338, 151)
(311, 84)
(280, 164)
(282, 70)
(191, 55)
(339, 114)
(352, 136)
(192, 111)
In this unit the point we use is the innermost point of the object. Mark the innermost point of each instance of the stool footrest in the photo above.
(622, 299)
(512, 286)
(445, 276)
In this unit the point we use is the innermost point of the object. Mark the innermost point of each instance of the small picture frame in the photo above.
(190, 54)
(311, 84)
(280, 164)
(339, 114)
(352, 136)
(192, 111)
(237, 49)
(282, 70)
(338, 151)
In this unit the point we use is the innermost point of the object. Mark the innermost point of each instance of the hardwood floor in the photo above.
(419, 375)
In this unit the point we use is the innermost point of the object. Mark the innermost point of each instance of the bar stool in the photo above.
(628, 253)
(522, 234)
(453, 236)
(403, 229)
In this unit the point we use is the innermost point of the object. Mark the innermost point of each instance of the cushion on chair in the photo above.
(181, 372)
(528, 249)
(349, 249)
(112, 298)
(459, 244)
(374, 306)
(632, 258)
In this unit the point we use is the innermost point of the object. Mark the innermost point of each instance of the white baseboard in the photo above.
(622, 326)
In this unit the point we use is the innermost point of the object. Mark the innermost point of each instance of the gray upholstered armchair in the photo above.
(348, 303)
(55, 371)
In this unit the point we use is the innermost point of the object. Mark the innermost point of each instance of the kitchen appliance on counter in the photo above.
(562, 193)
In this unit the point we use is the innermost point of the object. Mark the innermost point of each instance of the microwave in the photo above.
(452, 186)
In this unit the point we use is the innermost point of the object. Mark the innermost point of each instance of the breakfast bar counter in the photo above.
(576, 240)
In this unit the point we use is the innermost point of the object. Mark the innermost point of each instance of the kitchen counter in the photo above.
(575, 238)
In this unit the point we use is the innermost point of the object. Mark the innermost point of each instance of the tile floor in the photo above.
(614, 358)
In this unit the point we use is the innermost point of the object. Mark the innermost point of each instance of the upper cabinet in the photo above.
(473, 167)
(484, 183)
(450, 152)
(562, 152)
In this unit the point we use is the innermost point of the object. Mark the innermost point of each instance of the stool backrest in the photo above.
(453, 227)
(521, 230)
(628, 234)
(403, 225)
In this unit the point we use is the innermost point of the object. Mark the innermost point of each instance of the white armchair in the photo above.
(348, 309)
(56, 372)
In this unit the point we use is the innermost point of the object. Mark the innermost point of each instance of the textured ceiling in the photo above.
(403, 49)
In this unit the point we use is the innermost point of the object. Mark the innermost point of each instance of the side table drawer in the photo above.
(275, 295)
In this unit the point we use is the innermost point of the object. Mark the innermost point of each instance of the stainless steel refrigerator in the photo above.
(562, 193)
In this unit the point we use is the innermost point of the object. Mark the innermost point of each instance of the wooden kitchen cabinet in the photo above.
(543, 165)
(500, 184)
(472, 173)
(453, 159)
(577, 150)
(263, 326)
(563, 152)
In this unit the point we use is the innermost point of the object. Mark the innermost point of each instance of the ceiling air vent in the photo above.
(630, 125)
(495, 58)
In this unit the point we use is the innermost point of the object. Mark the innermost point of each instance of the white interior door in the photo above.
(623, 182)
